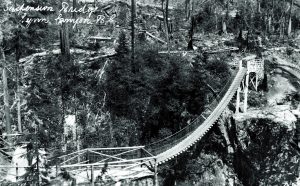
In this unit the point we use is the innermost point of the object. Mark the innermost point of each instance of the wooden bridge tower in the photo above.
(255, 72)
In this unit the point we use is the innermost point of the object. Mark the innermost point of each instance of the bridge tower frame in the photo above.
(255, 72)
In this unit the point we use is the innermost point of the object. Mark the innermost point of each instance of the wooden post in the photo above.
(256, 81)
(155, 174)
(56, 170)
(37, 154)
(237, 107)
(246, 92)
(87, 172)
(92, 176)
(240, 64)
(78, 148)
(17, 172)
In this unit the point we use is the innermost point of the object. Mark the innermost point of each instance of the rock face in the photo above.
(263, 155)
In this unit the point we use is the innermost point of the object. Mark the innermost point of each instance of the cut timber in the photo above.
(156, 38)
(99, 38)
(54, 52)
(175, 52)
(15, 134)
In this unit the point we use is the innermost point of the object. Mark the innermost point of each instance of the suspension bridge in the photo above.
(88, 165)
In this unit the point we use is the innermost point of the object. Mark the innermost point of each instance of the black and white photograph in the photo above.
(149, 92)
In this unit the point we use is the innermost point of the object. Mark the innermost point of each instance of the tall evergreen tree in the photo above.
(122, 47)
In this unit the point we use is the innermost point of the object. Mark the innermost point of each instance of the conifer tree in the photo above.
(122, 47)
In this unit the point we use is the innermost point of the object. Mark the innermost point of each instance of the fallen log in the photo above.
(53, 52)
(221, 50)
(156, 38)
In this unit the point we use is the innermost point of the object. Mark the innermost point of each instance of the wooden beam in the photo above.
(148, 152)
(106, 155)
(119, 154)
(72, 153)
(117, 148)
(109, 163)
(134, 165)
(72, 157)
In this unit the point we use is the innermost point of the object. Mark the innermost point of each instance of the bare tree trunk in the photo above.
(216, 19)
(191, 33)
(270, 18)
(6, 94)
(224, 19)
(66, 56)
(258, 6)
(111, 134)
(64, 139)
(64, 41)
(280, 27)
(289, 31)
(18, 55)
(166, 17)
(260, 22)
(224, 27)
(269, 24)
(187, 9)
(282, 23)
(74, 6)
(133, 15)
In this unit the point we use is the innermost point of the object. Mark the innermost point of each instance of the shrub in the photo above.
(289, 51)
